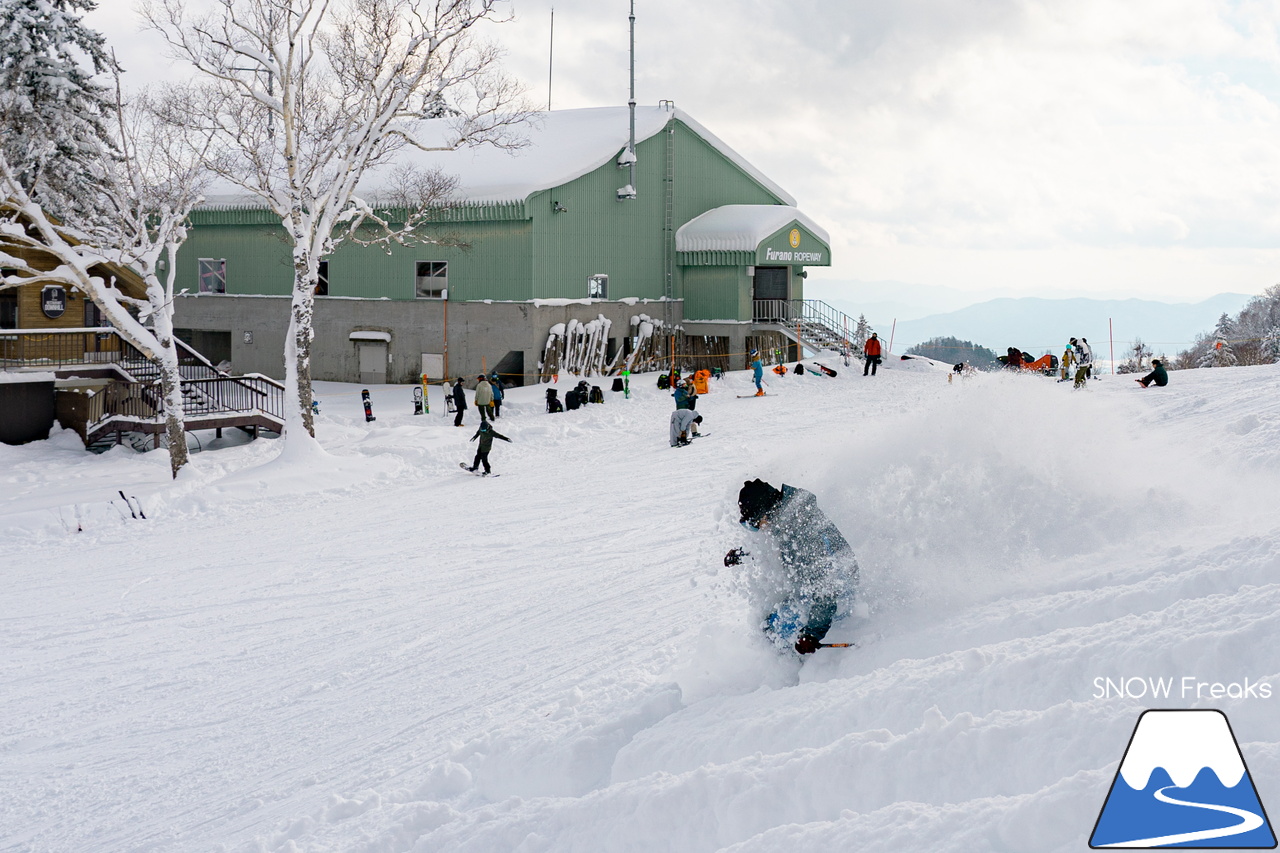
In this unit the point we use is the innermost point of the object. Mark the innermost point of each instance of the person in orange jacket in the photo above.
(871, 353)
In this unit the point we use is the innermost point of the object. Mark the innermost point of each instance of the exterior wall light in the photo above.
(557, 207)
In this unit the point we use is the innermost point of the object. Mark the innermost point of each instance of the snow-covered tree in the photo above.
(1271, 345)
(301, 98)
(143, 188)
(1136, 359)
(861, 332)
(1220, 352)
(54, 117)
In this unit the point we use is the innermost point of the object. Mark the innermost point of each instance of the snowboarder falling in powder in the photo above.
(810, 573)
(684, 422)
(486, 434)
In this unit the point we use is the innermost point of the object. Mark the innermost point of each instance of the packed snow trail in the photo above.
(365, 651)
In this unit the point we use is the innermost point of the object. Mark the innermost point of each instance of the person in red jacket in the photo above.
(871, 353)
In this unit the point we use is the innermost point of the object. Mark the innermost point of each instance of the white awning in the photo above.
(380, 337)
(741, 227)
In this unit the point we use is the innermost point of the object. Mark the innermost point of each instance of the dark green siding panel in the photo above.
(600, 234)
(716, 293)
(493, 264)
(258, 258)
(706, 179)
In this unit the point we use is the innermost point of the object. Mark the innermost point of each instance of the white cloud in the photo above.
(964, 142)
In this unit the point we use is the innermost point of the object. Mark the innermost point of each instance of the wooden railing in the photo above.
(135, 394)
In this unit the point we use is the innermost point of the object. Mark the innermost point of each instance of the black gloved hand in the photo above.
(734, 557)
(807, 645)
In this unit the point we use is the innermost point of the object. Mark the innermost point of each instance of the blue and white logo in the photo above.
(1183, 783)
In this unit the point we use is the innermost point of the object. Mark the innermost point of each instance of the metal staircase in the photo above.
(811, 323)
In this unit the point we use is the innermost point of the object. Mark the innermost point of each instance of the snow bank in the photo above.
(363, 648)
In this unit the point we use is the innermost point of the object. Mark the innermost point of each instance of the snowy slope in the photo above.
(375, 651)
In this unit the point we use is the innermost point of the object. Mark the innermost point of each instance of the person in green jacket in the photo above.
(1158, 375)
(486, 434)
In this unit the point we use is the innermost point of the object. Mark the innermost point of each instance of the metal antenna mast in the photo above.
(551, 53)
(629, 191)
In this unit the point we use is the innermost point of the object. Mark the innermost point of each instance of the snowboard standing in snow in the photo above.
(368, 406)
(807, 575)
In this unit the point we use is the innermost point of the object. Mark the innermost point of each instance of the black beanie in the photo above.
(756, 499)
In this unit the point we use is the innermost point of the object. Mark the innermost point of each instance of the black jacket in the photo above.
(459, 397)
(487, 434)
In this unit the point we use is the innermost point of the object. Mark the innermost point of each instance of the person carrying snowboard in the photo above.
(757, 370)
(684, 422)
(459, 401)
(1158, 375)
(809, 573)
(871, 354)
(486, 434)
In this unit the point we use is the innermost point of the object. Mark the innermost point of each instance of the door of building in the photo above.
(373, 362)
(770, 294)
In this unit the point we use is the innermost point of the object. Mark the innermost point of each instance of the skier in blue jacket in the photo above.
(757, 366)
(810, 573)
(496, 384)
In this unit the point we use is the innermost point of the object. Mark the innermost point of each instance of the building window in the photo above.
(598, 287)
(8, 308)
(432, 281)
(213, 275)
(322, 282)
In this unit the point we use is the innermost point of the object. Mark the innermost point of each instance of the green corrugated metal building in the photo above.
(708, 245)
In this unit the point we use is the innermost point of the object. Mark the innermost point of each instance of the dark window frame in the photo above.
(434, 273)
(209, 275)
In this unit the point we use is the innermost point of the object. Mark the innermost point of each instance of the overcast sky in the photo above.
(1057, 147)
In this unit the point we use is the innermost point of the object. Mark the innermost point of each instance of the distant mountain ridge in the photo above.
(1038, 325)
(1001, 318)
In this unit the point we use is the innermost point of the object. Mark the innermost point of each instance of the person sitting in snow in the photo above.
(1158, 375)
(486, 434)
(812, 572)
(684, 422)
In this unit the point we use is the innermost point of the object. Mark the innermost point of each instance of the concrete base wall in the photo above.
(26, 411)
(480, 334)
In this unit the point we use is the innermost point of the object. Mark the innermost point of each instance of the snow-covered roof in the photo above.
(741, 227)
(563, 145)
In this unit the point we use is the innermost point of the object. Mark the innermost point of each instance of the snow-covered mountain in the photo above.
(1036, 324)
(1183, 743)
(372, 650)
